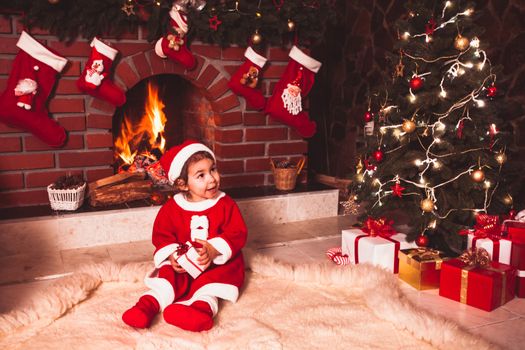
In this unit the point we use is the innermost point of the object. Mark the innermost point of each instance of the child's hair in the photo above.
(194, 158)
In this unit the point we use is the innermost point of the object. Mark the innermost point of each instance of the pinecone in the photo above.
(68, 182)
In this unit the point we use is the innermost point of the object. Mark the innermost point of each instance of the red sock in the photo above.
(197, 317)
(141, 315)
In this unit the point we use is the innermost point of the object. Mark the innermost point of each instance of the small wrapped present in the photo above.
(421, 267)
(487, 234)
(376, 243)
(187, 258)
(475, 280)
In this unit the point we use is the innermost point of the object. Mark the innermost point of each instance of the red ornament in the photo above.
(430, 27)
(422, 241)
(459, 131)
(368, 117)
(378, 155)
(492, 90)
(214, 23)
(397, 190)
(416, 83)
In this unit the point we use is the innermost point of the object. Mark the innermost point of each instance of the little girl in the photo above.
(208, 219)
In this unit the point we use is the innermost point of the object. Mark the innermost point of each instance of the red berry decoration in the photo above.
(422, 241)
(492, 90)
(368, 117)
(378, 155)
(416, 83)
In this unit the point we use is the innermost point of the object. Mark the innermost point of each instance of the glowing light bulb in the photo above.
(437, 140)
(480, 103)
(486, 184)
(469, 65)
(382, 130)
(432, 224)
(443, 93)
(406, 35)
(437, 165)
(481, 65)
(461, 71)
(397, 133)
(422, 180)
(412, 98)
(440, 126)
(474, 42)
(448, 3)
(418, 162)
(468, 12)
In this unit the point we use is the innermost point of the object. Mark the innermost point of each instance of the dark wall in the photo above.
(353, 56)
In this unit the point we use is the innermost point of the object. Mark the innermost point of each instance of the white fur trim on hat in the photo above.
(104, 49)
(183, 155)
(307, 61)
(158, 49)
(38, 51)
(179, 18)
(255, 57)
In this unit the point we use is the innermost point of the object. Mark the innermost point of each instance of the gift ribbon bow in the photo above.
(378, 227)
(424, 253)
(487, 226)
(182, 249)
(476, 258)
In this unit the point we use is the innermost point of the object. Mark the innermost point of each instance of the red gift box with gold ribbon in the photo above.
(475, 280)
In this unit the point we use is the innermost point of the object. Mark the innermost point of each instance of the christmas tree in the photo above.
(435, 138)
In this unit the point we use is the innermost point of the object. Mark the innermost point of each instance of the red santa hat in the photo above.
(174, 159)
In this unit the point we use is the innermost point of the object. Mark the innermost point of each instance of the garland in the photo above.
(221, 22)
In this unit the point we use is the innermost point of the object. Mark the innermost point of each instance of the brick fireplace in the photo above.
(243, 139)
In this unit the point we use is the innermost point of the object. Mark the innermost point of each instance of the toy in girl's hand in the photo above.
(188, 260)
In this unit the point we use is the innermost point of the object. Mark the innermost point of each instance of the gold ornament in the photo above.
(427, 205)
(291, 25)
(256, 37)
(359, 168)
(478, 175)
(508, 200)
(461, 43)
(501, 158)
(408, 126)
(350, 205)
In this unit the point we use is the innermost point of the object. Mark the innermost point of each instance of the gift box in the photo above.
(188, 261)
(378, 245)
(478, 281)
(514, 230)
(499, 249)
(421, 267)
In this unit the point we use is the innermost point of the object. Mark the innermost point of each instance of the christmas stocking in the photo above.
(32, 77)
(244, 81)
(295, 84)
(95, 81)
(173, 45)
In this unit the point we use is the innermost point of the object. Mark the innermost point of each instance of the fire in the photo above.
(148, 134)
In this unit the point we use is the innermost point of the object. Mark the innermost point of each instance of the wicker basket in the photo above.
(68, 199)
(285, 178)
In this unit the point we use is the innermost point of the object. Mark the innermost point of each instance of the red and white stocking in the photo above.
(285, 105)
(95, 81)
(244, 81)
(173, 45)
(23, 103)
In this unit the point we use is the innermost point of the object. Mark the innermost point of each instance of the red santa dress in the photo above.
(216, 220)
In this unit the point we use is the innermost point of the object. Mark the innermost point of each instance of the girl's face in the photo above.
(203, 180)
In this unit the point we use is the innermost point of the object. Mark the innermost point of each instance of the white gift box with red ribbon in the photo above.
(376, 250)
(188, 261)
(498, 249)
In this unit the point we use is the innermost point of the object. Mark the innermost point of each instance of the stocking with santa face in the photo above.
(95, 80)
(285, 105)
(23, 103)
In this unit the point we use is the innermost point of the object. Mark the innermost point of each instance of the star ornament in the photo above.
(214, 23)
(397, 190)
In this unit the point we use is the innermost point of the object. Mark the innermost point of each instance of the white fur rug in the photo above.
(282, 307)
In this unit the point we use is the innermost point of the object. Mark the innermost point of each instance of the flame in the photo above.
(147, 134)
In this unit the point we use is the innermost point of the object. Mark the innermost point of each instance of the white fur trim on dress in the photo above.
(220, 290)
(179, 18)
(104, 49)
(211, 300)
(163, 253)
(255, 57)
(183, 155)
(196, 206)
(160, 289)
(38, 51)
(222, 247)
(307, 61)
(520, 273)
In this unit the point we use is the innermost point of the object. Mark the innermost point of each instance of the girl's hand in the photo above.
(207, 252)
(175, 265)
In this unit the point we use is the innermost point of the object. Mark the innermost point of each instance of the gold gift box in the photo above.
(421, 267)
